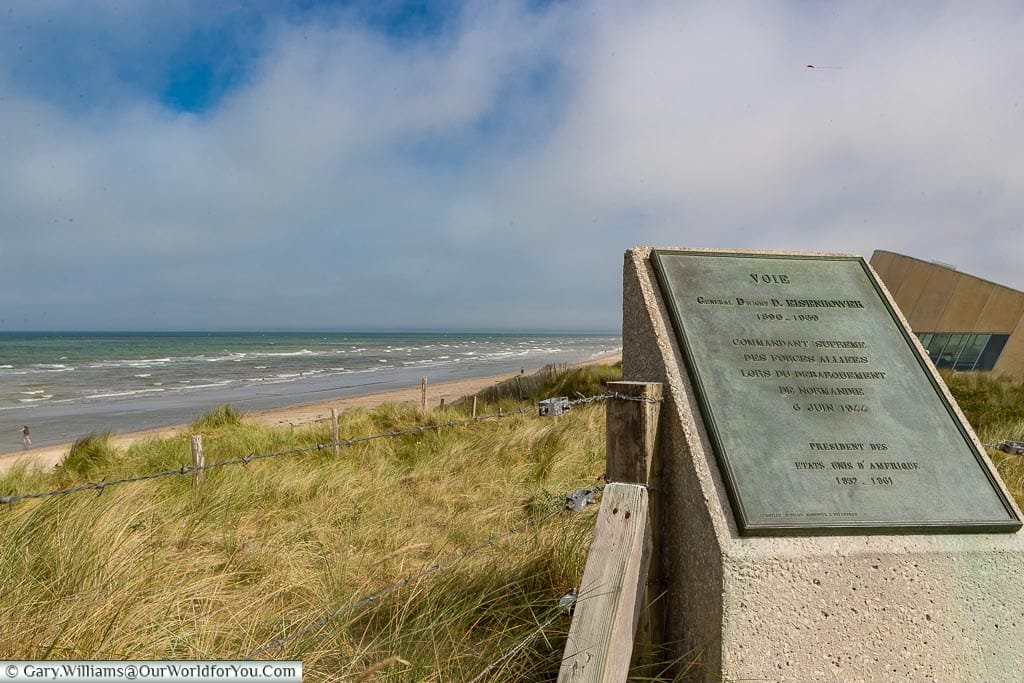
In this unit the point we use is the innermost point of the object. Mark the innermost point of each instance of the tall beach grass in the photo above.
(277, 558)
(289, 548)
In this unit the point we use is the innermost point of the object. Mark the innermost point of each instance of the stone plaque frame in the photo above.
(718, 428)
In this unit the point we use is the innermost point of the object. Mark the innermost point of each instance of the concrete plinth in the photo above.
(850, 608)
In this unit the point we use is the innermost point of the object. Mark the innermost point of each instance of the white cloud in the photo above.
(358, 180)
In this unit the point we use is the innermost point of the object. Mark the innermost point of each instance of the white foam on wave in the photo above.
(234, 357)
(121, 394)
(45, 367)
(209, 385)
(44, 397)
(130, 363)
(303, 352)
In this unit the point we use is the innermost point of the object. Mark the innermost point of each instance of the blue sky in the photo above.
(481, 165)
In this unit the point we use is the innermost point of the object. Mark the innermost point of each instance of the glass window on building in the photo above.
(947, 357)
(936, 345)
(971, 352)
(990, 355)
(963, 351)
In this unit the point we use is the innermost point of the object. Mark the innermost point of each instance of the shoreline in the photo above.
(294, 415)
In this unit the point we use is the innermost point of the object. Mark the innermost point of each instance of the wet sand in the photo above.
(299, 414)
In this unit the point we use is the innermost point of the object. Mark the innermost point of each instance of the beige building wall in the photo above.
(937, 298)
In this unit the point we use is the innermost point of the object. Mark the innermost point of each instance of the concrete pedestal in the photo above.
(849, 608)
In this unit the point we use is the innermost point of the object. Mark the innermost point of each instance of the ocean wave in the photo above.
(122, 394)
(303, 352)
(44, 397)
(37, 368)
(206, 385)
(234, 357)
(130, 363)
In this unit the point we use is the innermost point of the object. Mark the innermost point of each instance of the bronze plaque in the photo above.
(822, 415)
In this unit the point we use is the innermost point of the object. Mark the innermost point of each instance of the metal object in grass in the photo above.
(1011, 447)
(568, 602)
(551, 407)
(579, 499)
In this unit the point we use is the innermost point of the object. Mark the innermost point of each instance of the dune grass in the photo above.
(291, 548)
(994, 405)
(269, 550)
(87, 456)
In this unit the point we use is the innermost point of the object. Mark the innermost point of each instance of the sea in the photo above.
(66, 385)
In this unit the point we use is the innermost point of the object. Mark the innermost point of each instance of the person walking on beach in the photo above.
(25, 438)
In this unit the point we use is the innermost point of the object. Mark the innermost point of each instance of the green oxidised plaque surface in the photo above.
(823, 417)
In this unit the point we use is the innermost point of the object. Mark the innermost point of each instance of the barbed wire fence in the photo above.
(100, 486)
(573, 501)
(247, 459)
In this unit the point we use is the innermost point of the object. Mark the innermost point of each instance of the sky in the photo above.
(265, 165)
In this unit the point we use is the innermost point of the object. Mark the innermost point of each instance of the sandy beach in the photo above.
(298, 414)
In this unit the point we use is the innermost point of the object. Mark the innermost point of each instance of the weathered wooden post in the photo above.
(630, 454)
(423, 393)
(631, 432)
(334, 431)
(442, 403)
(198, 461)
(474, 407)
(612, 596)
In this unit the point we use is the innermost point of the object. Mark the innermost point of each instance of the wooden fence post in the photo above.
(631, 432)
(442, 403)
(198, 461)
(423, 393)
(613, 610)
(611, 596)
(474, 407)
(334, 432)
(630, 454)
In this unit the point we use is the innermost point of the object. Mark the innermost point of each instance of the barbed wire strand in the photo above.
(618, 396)
(278, 643)
(100, 486)
(245, 460)
(518, 647)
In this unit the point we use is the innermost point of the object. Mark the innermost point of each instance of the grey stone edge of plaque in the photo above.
(1010, 525)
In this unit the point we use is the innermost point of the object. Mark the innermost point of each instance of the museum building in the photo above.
(965, 322)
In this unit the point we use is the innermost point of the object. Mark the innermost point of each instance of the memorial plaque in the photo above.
(823, 417)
